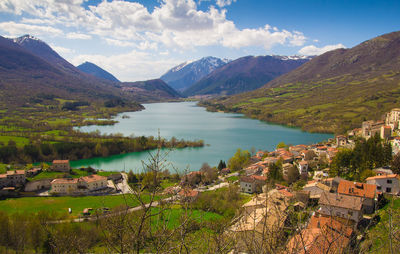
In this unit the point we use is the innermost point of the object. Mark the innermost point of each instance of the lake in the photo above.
(224, 132)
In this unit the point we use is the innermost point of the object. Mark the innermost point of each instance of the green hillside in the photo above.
(333, 92)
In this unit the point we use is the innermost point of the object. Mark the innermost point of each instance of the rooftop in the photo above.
(357, 189)
(339, 200)
(382, 177)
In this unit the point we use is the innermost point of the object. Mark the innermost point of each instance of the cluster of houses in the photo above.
(342, 207)
(91, 184)
(299, 158)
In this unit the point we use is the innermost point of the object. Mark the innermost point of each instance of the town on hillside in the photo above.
(335, 197)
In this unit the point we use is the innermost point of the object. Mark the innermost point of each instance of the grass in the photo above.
(20, 141)
(76, 173)
(232, 179)
(61, 204)
(172, 217)
(167, 183)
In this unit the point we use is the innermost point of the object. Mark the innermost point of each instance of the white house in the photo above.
(386, 183)
(303, 168)
(61, 166)
(82, 185)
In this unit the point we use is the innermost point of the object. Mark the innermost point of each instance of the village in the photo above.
(337, 209)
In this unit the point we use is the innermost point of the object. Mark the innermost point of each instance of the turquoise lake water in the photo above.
(224, 132)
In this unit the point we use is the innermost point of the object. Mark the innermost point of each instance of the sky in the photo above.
(142, 39)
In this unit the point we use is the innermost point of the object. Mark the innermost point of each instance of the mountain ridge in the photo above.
(95, 70)
(244, 74)
(333, 92)
(185, 74)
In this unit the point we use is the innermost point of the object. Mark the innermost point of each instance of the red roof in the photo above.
(188, 193)
(260, 178)
(357, 189)
(93, 178)
(60, 161)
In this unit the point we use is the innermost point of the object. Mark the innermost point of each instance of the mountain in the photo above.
(25, 75)
(150, 90)
(92, 69)
(186, 74)
(40, 49)
(333, 92)
(244, 74)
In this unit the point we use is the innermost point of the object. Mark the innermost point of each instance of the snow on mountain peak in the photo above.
(25, 37)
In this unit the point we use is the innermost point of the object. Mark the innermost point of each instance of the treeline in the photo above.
(37, 152)
(357, 163)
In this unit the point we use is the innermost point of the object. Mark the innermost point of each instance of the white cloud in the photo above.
(119, 43)
(79, 36)
(223, 3)
(313, 50)
(14, 29)
(130, 66)
(176, 24)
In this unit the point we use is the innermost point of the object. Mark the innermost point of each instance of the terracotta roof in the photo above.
(357, 189)
(382, 177)
(303, 163)
(60, 161)
(259, 178)
(321, 221)
(93, 178)
(3, 175)
(339, 200)
(286, 193)
(188, 193)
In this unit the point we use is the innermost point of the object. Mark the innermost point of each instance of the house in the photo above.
(61, 166)
(341, 140)
(323, 235)
(303, 168)
(316, 189)
(370, 128)
(82, 185)
(12, 178)
(388, 184)
(187, 194)
(285, 169)
(386, 132)
(333, 183)
(393, 118)
(251, 184)
(366, 191)
(341, 206)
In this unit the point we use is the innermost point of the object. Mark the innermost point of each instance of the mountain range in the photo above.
(333, 92)
(92, 69)
(244, 74)
(186, 74)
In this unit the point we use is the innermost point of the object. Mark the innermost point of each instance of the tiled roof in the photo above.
(188, 193)
(357, 189)
(65, 181)
(339, 200)
(60, 161)
(93, 178)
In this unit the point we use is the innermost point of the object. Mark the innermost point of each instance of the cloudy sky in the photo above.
(142, 39)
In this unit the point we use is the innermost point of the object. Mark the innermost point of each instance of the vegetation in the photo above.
(366, 155)
(332, 93)
(239, 160)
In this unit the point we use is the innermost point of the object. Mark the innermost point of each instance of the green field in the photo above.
(61, 204)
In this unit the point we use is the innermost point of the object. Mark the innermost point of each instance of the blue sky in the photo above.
(142, 39)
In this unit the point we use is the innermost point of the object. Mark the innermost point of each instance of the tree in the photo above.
(209, 174)
(395, 165)
(221, 165)
(293, 175)
(132, 177)
(239, 160)
(281, 145)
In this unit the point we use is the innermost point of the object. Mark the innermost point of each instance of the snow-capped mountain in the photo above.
(184, 75)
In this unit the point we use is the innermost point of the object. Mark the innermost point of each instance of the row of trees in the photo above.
(38, 151)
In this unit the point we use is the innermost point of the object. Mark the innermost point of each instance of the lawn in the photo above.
(173, 216)
(61, 204)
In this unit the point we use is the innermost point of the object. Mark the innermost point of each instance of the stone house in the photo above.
(341, 206)
(12, 178)
(251, 184)
(363, 190)
(61, 166)
(388, 184)
(82, 185)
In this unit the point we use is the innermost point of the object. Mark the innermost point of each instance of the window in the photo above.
(389, 181)
(378, 187)
(388, 189)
